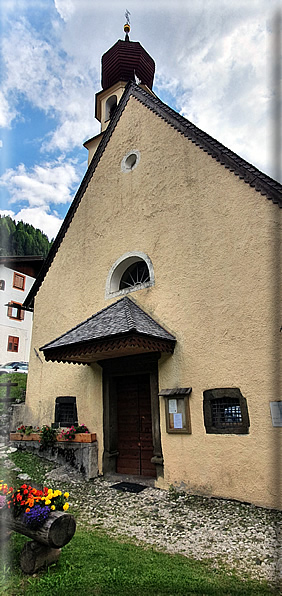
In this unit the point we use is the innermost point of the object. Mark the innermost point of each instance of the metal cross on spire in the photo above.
(126, 27)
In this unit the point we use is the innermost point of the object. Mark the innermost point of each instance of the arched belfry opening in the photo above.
(111, 104)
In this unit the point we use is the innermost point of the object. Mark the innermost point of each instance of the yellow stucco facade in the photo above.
(212, 241)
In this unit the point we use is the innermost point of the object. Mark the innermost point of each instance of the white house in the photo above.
(17, 275)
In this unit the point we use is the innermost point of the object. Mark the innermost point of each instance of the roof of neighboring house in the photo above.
(262, 183)
(124, 316)
(30, 264)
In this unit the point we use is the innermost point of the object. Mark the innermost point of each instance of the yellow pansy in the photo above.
(47, 502)
(66, 506)
(53, 507)
(66, 495)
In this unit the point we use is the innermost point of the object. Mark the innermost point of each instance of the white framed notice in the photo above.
(276, 413)
(172, 406)
(177, 411)
(177, 418)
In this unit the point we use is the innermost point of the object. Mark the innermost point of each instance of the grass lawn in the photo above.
(95, 564)
(17, 392)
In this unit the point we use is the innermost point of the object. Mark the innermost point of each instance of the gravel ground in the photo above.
(237, 535)
(242, 536)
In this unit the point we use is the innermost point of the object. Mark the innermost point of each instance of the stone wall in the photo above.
(10, 420)
(81, 456)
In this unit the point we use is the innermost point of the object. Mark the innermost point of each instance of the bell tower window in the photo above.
(111, 105)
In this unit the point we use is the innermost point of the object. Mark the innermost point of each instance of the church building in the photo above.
(157, 313)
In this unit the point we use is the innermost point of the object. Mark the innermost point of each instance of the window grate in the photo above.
(66, 411)
(225, 412)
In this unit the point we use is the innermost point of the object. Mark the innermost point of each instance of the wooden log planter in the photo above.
(47, 542)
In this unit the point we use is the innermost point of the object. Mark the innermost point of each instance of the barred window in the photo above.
(65, 410)
(225, 411)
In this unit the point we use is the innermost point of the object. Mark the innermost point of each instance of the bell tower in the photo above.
(125, 61)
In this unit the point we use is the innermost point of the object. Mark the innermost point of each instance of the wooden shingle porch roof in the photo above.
(121, 329)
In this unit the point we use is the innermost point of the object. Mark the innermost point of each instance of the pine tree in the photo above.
(21, 239)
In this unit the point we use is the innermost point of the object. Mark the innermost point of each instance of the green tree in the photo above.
(21, 239)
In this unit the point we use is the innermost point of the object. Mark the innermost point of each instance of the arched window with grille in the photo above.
(132, 271)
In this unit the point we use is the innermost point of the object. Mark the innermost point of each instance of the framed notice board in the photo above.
(177, 410)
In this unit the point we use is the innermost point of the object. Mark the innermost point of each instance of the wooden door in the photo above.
(134, 423)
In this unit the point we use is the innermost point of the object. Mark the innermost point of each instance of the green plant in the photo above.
(47, 437)
(26, 430)
(69, 434)
(174, 494)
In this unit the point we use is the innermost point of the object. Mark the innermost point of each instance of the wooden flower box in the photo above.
(78, 438)
(22, 437)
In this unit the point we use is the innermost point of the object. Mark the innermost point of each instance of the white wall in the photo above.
(16, 328)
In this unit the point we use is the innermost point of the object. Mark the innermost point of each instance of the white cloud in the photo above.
(65, 8)
(223, 86)
(7, 111)
(38, 71)
(51, 183)
(7, 212)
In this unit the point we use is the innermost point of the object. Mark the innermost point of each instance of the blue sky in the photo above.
(213, 65)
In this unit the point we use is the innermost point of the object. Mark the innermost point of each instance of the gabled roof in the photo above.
(262, 183)
(122, 324)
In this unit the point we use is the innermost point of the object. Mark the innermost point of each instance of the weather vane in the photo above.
(126, 27)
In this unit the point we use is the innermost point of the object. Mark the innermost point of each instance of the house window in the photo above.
(225, 411)
(65, 411)
(15, 311)
(2, 284)
(13, 344)
(19, 281)
(133, 271)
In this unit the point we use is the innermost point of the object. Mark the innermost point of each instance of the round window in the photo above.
(130, 161)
